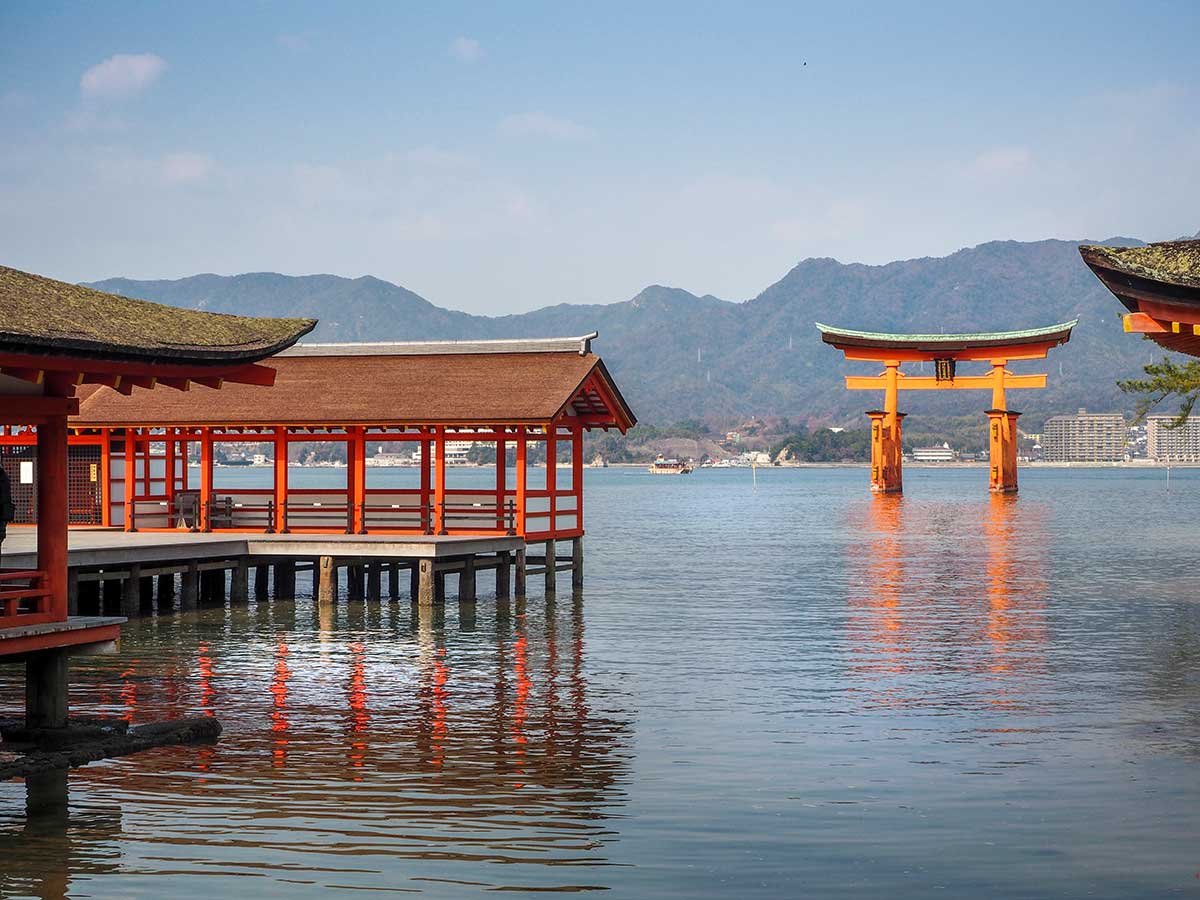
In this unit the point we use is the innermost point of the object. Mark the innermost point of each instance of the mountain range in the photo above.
(678, 356)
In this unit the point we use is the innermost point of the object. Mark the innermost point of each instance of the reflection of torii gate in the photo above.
(944, 351)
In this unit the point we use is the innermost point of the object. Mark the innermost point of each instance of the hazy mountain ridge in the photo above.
(678, 355)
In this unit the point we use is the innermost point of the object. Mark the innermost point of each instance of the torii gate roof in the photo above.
(943, 345)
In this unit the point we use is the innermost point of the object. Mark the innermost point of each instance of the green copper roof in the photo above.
(1171, 262)
(844, 337)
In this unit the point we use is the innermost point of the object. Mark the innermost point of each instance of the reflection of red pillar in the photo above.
(887, 455)
(1002, 447)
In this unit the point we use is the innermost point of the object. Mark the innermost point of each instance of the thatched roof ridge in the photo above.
(1170, 262)
(42, 315)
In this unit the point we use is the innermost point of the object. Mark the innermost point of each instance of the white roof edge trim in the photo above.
(581, 345)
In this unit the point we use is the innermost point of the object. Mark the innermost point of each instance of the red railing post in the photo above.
(439, 480)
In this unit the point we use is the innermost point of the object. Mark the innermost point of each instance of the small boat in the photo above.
(664, 466)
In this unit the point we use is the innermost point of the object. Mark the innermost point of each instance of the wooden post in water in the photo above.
(519, 576)
(503, 574)
(189, 587)
(72, 592)
(414, 581)
(374, 582)
(131, 592)
(262, 574)
(326, 590)
(354, 578)
(239, 582)
(166, 590)
(46, 689)
(466, 581)
(393, 568)
(577, 562)
(425, 586)
(285, 579)
(551, 568)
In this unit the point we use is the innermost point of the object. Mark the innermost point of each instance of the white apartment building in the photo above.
(1180, 444)
(1085, 437)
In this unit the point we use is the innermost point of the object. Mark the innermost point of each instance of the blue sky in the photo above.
(495, 158)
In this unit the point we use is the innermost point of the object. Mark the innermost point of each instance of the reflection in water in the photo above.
(452, 740)
(946, 589)
(46, 845)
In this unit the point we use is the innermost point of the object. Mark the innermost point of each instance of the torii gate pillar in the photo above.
(887, 475)
(1002, 446)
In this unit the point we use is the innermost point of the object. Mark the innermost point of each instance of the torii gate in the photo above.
(944, 351)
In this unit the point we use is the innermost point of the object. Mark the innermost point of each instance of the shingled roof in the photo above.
(384, 385)
(1169, 262)
(40, 315)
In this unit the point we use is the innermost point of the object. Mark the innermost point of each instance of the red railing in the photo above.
(24, 598)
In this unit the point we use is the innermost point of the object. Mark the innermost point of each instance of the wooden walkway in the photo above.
(114, 572)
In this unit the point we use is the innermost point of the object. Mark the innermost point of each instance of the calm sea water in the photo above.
(794, 690)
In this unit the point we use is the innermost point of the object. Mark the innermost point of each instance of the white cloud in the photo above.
(538, 124)
(1001, 161)
(121, 76)
(436, 158)
(295, 42)
(179, 168)
(466, 49)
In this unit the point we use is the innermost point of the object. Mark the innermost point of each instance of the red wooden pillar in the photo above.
(522, 447)
(130, 478)
(52, 510)
(577, 473)
(439, 480)
(169, 451)
(206, 479)
(552, 474)
(426, 462)
(501, 481)
(281, 479)
(356, 459)
(106, 477)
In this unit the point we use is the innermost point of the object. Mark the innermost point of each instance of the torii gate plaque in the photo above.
(945, 351)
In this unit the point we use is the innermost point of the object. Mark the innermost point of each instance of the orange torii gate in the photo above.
(945, 351)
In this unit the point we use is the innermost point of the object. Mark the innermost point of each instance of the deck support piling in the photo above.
(165, 590)
(374, 582)
(354, 578)
(189, 587)
(239, 582)
(262, 582)
(72, 592)
(285, 579)
(551, 568)
(326, 590)
(393, 569)
(46, 689)
(425, 586)
(577, 562)
(131, 592)
(466, 581)
(519, 574)
(503, 574)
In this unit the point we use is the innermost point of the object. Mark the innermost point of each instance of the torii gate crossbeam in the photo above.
(945, 351)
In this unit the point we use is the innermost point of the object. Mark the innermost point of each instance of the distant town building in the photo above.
(733, 437)
(1166, 444)
(934, 454)
(1084, 437)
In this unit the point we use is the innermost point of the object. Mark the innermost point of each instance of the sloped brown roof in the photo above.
(325, 390)
(42, 316)
(1170, 262)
